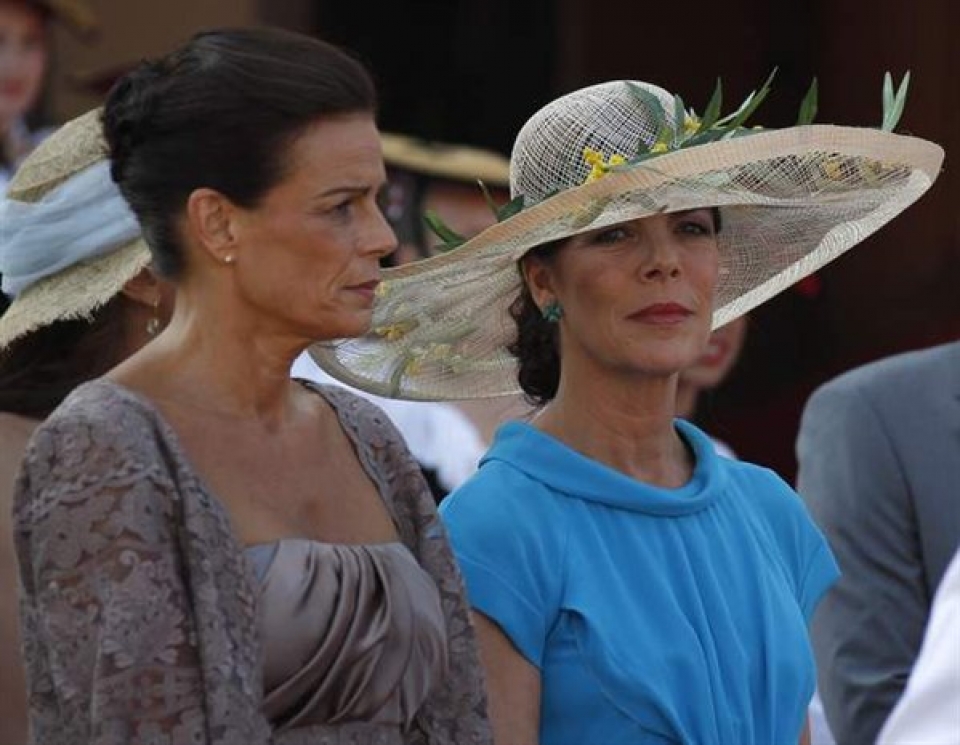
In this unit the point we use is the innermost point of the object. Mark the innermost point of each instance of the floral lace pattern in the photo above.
(139, 607)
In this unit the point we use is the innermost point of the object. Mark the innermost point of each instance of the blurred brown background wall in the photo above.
(129, 31)
(474, 70)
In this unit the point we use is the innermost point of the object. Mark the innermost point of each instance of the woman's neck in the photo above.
(219, 363)
(687, 396)
(625, 422)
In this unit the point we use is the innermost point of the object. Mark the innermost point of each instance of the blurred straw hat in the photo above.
(76, 15)
(441, 160)
(77, 291)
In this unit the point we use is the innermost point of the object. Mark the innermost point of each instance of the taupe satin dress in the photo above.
(349, 633)
(143, 620)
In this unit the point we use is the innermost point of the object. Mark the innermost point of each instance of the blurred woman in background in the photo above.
(80, 307)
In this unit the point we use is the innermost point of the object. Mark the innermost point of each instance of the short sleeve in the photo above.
(819, 576)
(814, 566)
(510, 555)
(803, 548)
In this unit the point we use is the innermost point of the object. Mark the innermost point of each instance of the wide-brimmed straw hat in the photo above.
(76, 290)
(791, 200)
(461, 163)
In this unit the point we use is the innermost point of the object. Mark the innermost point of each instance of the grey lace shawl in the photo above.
(138, 605)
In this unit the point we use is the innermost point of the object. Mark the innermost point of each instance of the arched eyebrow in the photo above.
(685, 213)
(346, 190)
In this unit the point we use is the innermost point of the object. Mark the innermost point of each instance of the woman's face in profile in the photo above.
(23, 58)
(637, 297)
(310, 251)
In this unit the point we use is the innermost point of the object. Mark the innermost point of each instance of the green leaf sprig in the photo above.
(451, 239)
(893, 102)
(686, 129)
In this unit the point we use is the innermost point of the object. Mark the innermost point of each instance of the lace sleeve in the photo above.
(456, 711)
(109, 639)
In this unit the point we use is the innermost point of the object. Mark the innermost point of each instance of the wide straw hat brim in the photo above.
(439, 160)
(78, 291)
(791, 201)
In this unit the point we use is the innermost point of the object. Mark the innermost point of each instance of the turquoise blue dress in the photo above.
(654, 615)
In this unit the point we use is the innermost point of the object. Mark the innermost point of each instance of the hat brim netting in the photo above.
(791, 201)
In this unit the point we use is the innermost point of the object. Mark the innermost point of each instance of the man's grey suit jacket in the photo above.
(879, 457)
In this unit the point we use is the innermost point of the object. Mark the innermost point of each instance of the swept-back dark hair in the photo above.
(537, 344)
(221, 112)
(39, 369)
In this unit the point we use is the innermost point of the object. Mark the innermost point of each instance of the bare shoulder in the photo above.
(15, 429)
(15, 433)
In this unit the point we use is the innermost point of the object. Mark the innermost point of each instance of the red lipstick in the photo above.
(367, 289)
(663, 314)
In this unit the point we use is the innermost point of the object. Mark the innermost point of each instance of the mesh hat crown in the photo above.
(608, 119)
(792, 200)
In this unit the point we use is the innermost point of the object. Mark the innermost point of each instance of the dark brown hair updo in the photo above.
(221, 112)
(537, 345)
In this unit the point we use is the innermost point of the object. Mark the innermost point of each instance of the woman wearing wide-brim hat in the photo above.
(628, 584)
(83, 300)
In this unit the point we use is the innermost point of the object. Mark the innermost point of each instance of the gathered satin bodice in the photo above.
(351, 633)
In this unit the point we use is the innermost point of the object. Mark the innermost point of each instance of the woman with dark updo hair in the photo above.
(210, 551)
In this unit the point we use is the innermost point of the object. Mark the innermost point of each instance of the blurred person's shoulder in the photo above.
(909, 373)
(15, 433)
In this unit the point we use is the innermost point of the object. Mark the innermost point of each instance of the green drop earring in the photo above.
(552, 312)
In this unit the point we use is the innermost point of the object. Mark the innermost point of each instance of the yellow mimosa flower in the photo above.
(592, 158)
(413, 367)
(395, 331)
(598, 165)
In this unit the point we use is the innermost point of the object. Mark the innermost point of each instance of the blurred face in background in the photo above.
(718, 358)
(23, 59)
